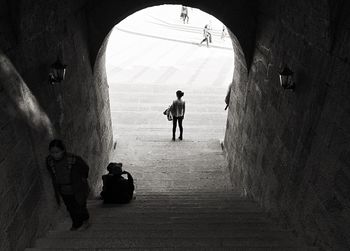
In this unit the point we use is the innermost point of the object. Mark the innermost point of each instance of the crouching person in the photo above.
(69, 175)
(117, 189)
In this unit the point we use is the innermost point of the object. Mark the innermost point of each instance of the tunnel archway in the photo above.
(239, 76)
(150, 55)
(240, 58)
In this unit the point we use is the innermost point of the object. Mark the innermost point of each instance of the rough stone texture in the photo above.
(21, 180)
(32, 34)
(286, 149)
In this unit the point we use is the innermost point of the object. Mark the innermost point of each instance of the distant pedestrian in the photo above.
(206, 35)
(178, 111)
(228, 94)
(69, 175)
(184, 14)
(117, 189)
(223, 32)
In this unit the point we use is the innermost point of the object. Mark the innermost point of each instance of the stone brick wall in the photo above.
(290, 150)
(32, 112)
(104, 122)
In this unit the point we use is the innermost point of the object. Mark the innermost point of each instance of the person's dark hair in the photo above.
(179, 94)
(57, 143)
(115, 168)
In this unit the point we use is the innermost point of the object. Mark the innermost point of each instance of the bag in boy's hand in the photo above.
(168, 114)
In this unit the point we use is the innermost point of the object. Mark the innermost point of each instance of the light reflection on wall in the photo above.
(23, 101)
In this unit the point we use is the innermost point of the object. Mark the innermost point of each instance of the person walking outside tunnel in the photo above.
(178, 110)
(206, 35)
(184, 14)
(69, 175)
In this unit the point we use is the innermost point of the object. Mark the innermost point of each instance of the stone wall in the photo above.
(32, 112)
(290, 150)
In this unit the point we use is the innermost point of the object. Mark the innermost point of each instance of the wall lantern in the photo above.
(286, 78)
(57, 72)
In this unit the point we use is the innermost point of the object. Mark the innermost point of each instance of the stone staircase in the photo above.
(184, 201)
(177, 220)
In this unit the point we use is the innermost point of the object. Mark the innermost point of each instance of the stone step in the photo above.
(177, 199)
(224, 202)
(163, 242)
(148, 211)
(155, 90)
(147, 196)
(195, 193)
(191, 211)
(140, 201)
(173, 206)
(157, 185)
(163, 185)
(149, 99)
(120, 217)
(218, 248)
(171, 209)
(166, 233)
(159, 197)
(188, 201)
(175, 220)
(182, 204)
(229, 226)
(167, 167)
(117, 214)
(158, 181)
